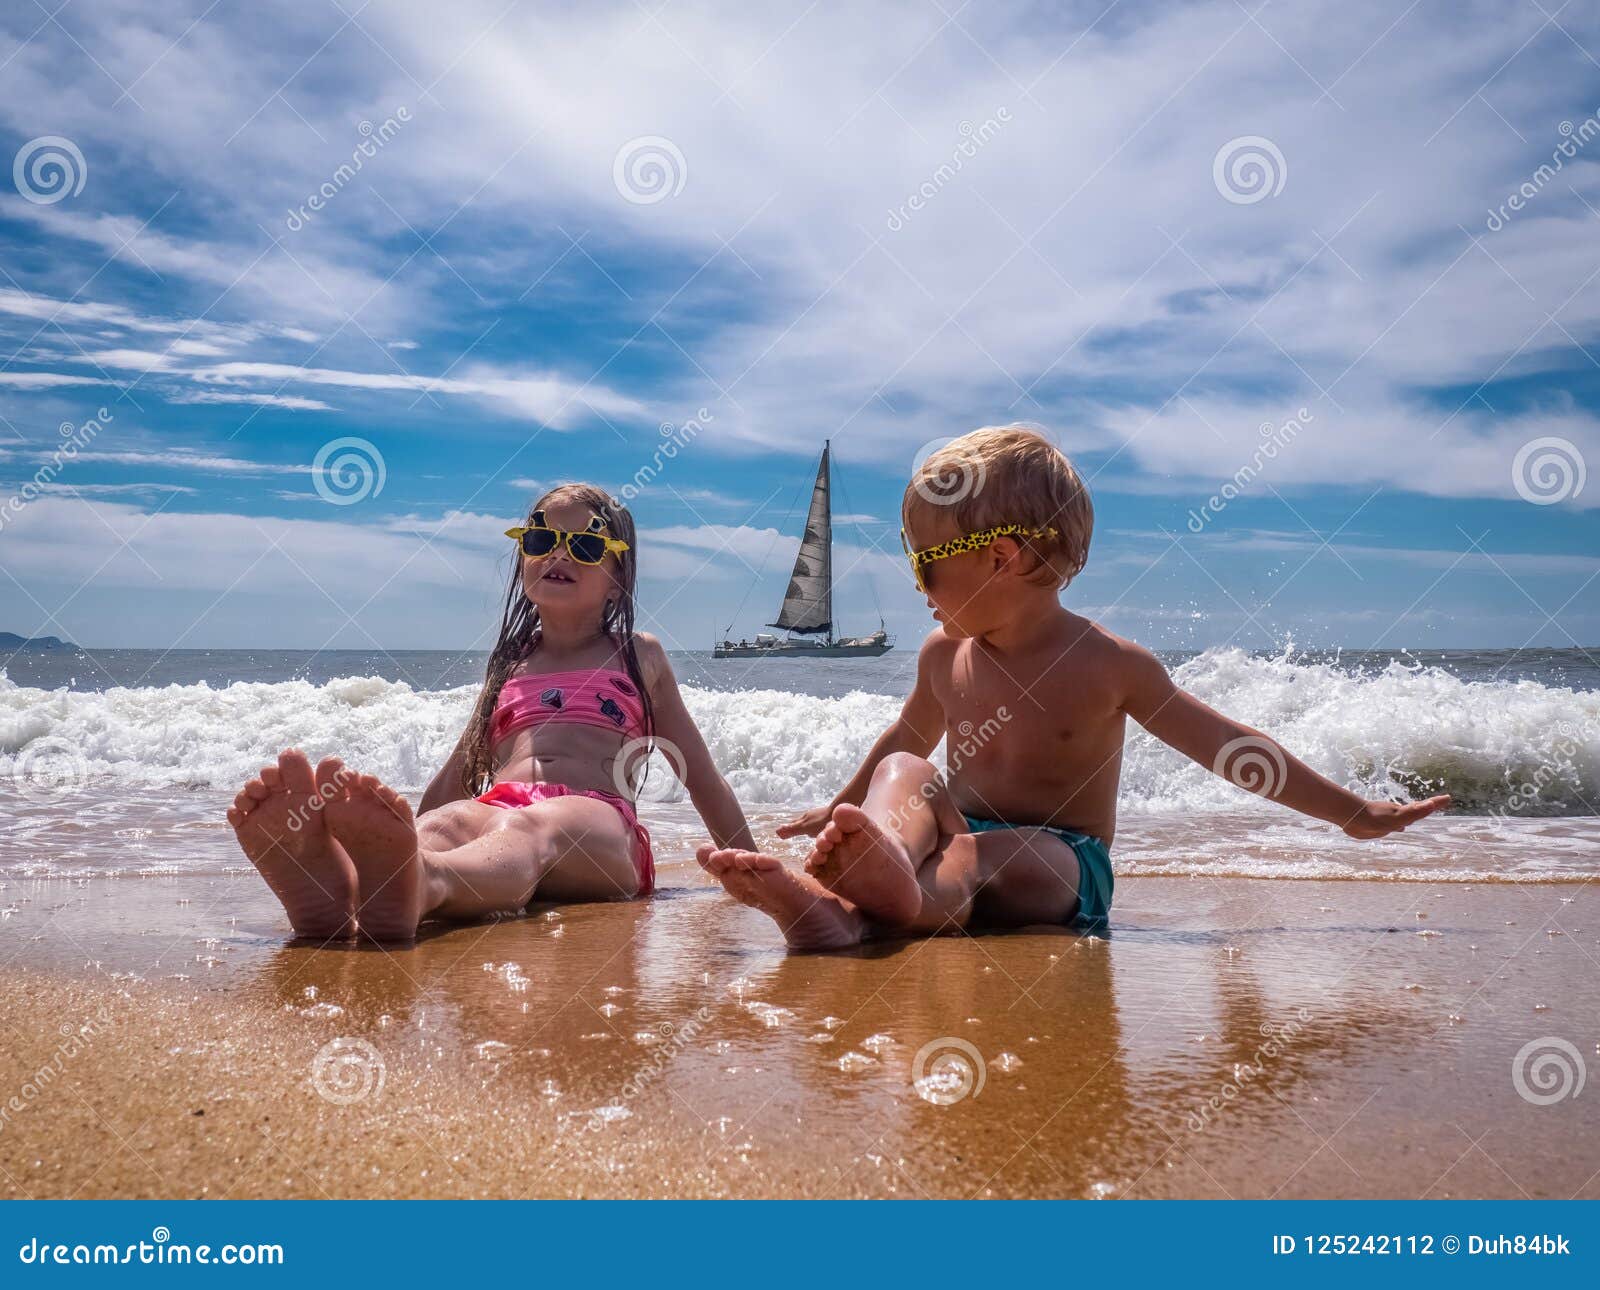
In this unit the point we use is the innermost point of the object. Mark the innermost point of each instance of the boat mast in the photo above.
(827, 493)
(808, 603)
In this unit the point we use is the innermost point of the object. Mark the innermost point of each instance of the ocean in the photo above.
(121, 761)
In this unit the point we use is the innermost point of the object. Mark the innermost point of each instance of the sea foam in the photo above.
(1521, 748)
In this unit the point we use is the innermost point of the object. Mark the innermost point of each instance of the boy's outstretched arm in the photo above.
(1252, 760)
(917, 729)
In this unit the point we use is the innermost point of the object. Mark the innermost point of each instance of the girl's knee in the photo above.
(455, 821)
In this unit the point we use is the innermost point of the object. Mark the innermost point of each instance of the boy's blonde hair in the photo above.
(1007, 475)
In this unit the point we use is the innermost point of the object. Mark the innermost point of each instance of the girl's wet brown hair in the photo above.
(519, 628)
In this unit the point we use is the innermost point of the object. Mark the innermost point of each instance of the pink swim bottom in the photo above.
(513, 794)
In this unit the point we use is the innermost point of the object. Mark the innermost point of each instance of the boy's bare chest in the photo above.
(1053, 703)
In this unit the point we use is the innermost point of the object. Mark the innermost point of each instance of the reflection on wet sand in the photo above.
(1224, 1038)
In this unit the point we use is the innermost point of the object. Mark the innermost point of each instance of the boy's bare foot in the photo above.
(810, 916)
(857, 858)
(278, 821)
(375, 825)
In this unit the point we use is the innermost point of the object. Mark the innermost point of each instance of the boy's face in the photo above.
(967, 593)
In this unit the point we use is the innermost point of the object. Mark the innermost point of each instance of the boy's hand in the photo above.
(1378, 819)
(809, 822)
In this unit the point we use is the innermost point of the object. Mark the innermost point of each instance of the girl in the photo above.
(536, 799)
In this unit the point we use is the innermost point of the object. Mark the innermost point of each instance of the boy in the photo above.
(1032, 701)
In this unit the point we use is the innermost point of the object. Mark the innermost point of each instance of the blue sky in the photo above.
(542, 233)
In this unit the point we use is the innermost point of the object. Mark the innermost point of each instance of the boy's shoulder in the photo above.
(1103, 645)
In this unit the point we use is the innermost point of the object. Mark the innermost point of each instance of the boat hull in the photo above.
(784, 649)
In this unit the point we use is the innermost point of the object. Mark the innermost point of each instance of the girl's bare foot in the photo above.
(375, 826)
(857, 858)
(278, 821)
(810, 916)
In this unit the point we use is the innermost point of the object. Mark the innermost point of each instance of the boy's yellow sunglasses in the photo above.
(961, 545)
(539, 540)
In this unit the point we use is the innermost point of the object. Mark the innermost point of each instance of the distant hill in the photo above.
(11, 642)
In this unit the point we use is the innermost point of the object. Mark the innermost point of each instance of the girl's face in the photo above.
(557, 584)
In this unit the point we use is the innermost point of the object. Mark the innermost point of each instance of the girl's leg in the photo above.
(277, 818)
(469, 859)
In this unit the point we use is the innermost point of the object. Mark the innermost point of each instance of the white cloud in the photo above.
(192, 461)
(172, 551)
(289, 401)
(1194, 446)
(1080, 267)
(537, 396)
(48, 380)
(113, 490)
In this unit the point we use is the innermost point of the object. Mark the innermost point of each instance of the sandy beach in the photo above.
(1227, 1037)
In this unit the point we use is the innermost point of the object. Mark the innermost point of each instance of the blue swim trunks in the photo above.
(1095, 883)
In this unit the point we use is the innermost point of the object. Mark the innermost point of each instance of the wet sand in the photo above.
(1227, 1037)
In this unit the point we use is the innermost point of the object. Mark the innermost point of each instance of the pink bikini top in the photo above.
(603, 697)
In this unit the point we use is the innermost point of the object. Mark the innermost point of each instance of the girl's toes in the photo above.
(256, 791)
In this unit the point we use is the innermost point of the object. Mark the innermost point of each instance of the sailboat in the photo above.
(807, 609)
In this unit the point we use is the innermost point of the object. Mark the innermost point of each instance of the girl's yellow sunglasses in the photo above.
(539, 540)
(961, 545)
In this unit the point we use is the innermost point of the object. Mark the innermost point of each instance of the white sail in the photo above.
(808, 604)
